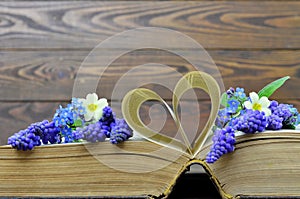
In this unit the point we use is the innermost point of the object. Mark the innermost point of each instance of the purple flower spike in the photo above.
(120, 131)
(28, 138)
(91, 133)
(106, 120)
(250, 122)
(223, 142)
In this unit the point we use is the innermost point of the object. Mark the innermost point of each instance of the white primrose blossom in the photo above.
(260, 104)
(93, 106)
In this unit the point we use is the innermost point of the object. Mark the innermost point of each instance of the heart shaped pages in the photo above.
(134, 99)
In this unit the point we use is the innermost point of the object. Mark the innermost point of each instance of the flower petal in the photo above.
(265, 103)
(267, 111)
(84, 103)
(88, 116)
(92, 98)
(254, 97)
(102, 103)
(248, 105)
(98, 114)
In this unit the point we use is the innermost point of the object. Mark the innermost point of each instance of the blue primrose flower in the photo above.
(233, 106)
(63, 116)
(77, 108)
(223, 118)
(67, 134)
(240, 93)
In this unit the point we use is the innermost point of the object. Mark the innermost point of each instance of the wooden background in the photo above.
(42, 45)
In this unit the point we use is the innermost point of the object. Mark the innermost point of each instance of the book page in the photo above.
(134, 99)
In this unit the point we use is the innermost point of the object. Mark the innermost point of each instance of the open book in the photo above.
(263, 165)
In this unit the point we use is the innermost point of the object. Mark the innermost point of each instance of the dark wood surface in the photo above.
(45, 75)
(217, 24)
(43, 43)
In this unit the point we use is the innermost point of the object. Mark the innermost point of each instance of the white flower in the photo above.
(93, 106)
(260, 104)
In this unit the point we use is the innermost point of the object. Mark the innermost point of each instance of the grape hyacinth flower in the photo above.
(274, 122)
(48, 132)
(223, 142)
(108, 117)
(90, 133)
(24, 140)
(287, 112)
(250, 122)
(28, 138)
(120, 131)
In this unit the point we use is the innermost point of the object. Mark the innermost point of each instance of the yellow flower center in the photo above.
(257, 106)
(92, 107)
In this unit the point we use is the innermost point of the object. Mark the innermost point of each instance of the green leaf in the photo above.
(77, 123)
(269, 89)
(224, 99)
(290, 126)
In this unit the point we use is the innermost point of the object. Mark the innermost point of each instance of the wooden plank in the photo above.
(83, 24)
(18, 115)
(49, 75)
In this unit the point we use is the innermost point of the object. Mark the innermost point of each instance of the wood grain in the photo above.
(49, 75)
(83, 24)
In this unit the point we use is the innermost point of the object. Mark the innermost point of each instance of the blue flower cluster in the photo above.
(66, 118)
(274, 122)
(28, 138)
(68, 125)
(234, 104)
(250, 122)
(120, 131)
(107, 127)
(108, 118)
(90, 133)
(285, 112)
(49, 132)
(234, 117)
(223, 142)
